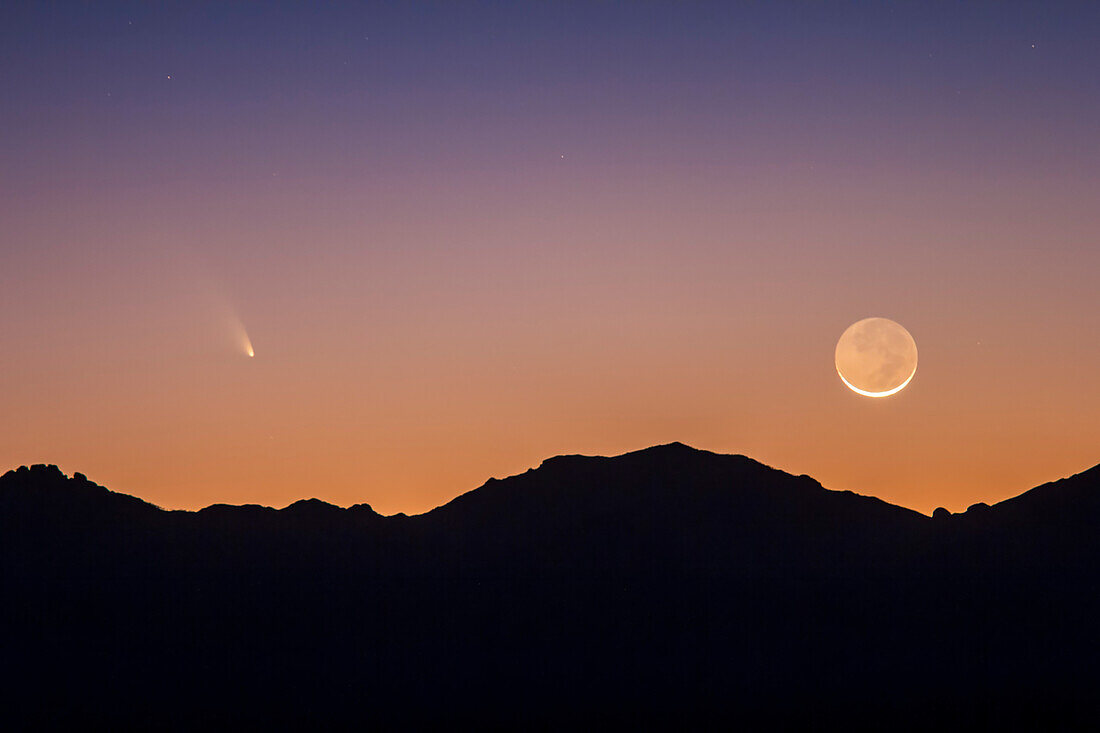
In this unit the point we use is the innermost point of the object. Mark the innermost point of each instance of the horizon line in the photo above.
(493, 479)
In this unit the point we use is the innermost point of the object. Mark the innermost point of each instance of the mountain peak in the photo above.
(675, 447)
(662, 451)
(671, 503)
(311, 507)
(44, 490)
(37, 473)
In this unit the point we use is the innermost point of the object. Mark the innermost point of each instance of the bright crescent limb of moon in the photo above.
(887, 393)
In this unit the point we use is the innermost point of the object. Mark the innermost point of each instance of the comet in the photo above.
(213, 302)
(246, 342)
(240, 334)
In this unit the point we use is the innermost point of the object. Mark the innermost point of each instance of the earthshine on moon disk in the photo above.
(876, 357)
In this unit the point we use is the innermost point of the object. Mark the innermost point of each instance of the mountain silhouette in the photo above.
(665, 586)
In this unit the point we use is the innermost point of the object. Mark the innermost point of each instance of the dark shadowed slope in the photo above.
(669, 506)
(1067, 505)
(661, 586)
(1053, 525)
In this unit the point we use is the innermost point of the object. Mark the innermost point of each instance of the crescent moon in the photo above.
(876, 357)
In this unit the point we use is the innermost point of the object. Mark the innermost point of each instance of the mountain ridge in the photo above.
(52, 475)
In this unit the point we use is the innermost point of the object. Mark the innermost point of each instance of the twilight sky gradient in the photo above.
(467, 237)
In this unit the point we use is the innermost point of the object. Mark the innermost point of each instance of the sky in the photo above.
(465, 237)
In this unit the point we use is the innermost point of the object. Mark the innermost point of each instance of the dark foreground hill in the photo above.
(666, 586)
